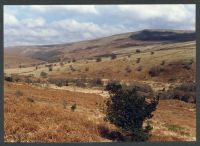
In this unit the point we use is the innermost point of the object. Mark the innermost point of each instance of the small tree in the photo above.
(87, 69)
(137, 51)
(138, 60)
(127, 108)
(113, 56)
(73, 107)
(163, 62)
(73, 60)
(50, 68)
(43, 74)
(98, 59)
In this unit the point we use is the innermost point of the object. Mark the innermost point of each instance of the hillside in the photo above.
(40, 95)
(116, 44)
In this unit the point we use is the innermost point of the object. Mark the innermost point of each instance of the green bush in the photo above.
(128, 109)
(51, 68)
(43, 74)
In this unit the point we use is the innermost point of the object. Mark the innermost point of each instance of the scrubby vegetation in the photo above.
(138, 60)
(113, 56)
(155, 70)
(73, 107)
(184, 92)
(43, 74)
(98, 59)
(137, 51)
(127, 108)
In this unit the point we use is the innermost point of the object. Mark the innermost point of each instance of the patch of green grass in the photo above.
(177, 129)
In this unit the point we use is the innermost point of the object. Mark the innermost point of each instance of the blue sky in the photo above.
(40, 24)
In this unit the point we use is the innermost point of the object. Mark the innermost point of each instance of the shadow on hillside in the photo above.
(110, 134)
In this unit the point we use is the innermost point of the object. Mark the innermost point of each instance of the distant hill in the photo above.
(115, 44)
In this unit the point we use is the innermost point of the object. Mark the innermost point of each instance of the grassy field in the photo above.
(46, 112)
(45, 115)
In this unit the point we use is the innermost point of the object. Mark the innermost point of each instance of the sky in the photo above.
(55, 24)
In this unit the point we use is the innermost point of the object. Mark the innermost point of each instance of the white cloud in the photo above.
(10, 20)
(35, 25)
(37, 22)
(172, 13)
(87, 9)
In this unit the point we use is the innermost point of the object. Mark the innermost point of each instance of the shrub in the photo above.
(18, 93)
(139, 68)
(73, 60)
(87, 69)
(138, 60)
(36, 67)
(72, 68)
(98, 59)
(28, 80)
(156, 70)
(137, 51)
(21, 66)
(8, 78)
(58, 82)
(30, 99)
(152, 53)
(73, 107)
(163, 62)
(184, 92)
(97, 82)
(80, 82)
(113, 56)
(43, 74)
(50, 68)
(128, 110)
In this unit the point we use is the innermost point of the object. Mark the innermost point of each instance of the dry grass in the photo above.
(46, 120)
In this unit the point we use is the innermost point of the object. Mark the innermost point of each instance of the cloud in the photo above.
(86, 9)
(38, 24)
(171, 13)
(10, 20)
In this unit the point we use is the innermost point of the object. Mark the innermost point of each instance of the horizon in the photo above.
(48, 25)
(42, 45)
